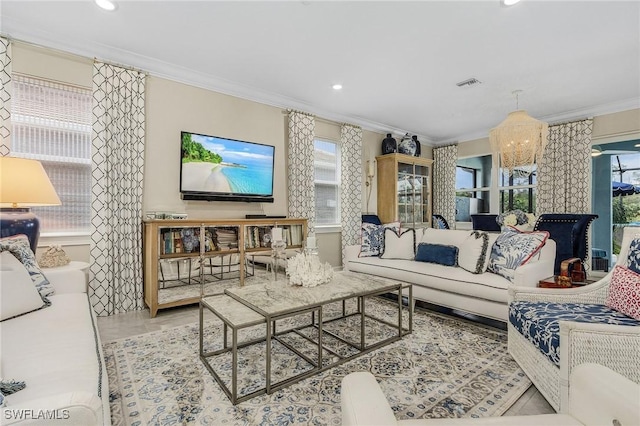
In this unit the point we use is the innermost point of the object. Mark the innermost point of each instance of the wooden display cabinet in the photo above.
(404, 189)
(186, 259)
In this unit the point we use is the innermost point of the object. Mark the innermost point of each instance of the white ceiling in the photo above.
(398, 61)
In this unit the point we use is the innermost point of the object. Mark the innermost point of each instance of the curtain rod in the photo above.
(126, 67)
(560, 123)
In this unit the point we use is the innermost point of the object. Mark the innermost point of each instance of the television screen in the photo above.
(215, 168)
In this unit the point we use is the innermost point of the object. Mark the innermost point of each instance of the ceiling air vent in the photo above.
(469, 82)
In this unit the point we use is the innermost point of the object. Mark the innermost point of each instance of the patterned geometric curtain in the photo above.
(444, 182)
(302, 194)
(564, 173)
(350, 183)
(5, 96)
(116, 184)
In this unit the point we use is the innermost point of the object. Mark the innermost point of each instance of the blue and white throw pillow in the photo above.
(633, 259)
(513, 249)
(372, 243)
(19, 246)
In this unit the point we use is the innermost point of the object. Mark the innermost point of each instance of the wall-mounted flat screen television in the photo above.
(214, 168)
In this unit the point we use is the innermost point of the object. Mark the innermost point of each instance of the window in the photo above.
(326, 161)
(473, 182)
(52, 124)
(518, 191)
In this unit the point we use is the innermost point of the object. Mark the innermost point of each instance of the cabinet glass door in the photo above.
(413, 194)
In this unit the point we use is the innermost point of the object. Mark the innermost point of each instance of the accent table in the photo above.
(266, 302)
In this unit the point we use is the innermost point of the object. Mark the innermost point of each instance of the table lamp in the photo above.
(23, 184)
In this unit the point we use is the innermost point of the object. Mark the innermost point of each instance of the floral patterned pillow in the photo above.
(624, 292)
(513, 249)
(18, 245)
(372, 243)
(633, 259)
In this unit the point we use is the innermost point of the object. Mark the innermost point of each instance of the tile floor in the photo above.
(139, 322)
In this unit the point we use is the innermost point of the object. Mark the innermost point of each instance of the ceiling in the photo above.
(398, 61)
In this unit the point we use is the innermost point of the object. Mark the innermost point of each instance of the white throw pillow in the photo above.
(18, 294)
(472, 253)
(399, 246)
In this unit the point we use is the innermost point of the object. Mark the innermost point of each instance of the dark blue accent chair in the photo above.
(439, 222)
(371, 218)
(485, 222)
(569, 231)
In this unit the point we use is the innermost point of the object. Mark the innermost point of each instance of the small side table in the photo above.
(73, 265)
(551, 283)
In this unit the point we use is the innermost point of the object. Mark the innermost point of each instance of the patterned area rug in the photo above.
(446, 368)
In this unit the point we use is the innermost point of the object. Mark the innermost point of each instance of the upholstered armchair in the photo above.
(569, 231)
(485, 222)
(552, 331)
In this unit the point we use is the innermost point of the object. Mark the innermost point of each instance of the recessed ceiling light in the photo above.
(337, 86)
(106, 5)
(509, 2)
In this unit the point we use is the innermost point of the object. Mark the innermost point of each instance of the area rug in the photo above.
(445, 368)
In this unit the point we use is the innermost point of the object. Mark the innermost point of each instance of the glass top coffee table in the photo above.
(313, 329)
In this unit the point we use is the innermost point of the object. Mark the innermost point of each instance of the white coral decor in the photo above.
(307, 271)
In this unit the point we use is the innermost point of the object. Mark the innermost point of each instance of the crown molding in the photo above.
(185, 75)
(578, 114)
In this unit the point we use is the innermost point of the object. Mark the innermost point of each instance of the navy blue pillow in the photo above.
(437, 253)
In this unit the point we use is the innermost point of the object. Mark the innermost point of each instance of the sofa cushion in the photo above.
(624, 292)
(437, 253)
(473, 252)
(539, 322)
(452, 237)
(18, 245)
(512, 249)
(398, 245)
(372, 238)
(18, 295)
(61, 354)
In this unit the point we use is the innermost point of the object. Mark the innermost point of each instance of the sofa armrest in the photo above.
(609, 345)
(77, 408)
(350, 253)
(599, 395)
(590, 293)
(66, 281)
(363, 402)
(529, 274)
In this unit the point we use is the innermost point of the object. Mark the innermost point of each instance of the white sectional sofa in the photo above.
(56, 351)
(483, 294)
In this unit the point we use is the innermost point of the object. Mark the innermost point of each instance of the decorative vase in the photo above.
(418, 148)
(389, 145)
(407, 147)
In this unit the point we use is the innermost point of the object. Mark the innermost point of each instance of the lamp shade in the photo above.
(24, 183)
(519, 141)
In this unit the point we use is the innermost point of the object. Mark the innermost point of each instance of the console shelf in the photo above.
(184, 259)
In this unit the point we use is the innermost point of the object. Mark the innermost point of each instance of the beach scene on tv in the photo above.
(212, 164)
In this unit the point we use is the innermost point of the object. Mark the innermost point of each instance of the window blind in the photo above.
(52, 124)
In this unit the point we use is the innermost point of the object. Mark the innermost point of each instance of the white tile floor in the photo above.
(134, 323)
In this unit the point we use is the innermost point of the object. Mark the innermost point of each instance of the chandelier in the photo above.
(519, 141)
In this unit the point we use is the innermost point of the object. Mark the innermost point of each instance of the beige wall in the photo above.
(172, 107)
(616, 127)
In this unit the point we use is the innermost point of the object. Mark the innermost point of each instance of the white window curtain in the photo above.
(5, 96)
(117, 178)
(564, 173)
(301, 168)
(351, 186)
(444, 182)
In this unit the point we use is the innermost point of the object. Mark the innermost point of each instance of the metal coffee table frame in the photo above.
(245, 316)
